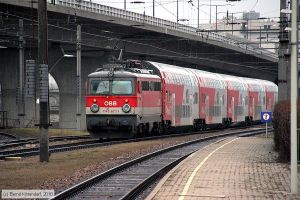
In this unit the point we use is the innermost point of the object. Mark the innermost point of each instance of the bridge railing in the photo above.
(167, 25)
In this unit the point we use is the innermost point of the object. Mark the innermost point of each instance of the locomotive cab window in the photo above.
(99, 87)
(122, 87)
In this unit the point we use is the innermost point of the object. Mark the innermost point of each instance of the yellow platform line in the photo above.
(187, 185)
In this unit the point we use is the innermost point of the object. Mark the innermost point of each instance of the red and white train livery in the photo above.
(135, 98)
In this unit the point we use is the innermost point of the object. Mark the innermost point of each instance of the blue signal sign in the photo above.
(266, 117)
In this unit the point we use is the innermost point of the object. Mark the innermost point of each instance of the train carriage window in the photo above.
(145, 85)
(203, 98)
(167, 97)
(187, 98)
(223, 100)
(240, 100)
(196, 98)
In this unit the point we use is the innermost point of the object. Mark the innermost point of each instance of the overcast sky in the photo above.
(167, 9)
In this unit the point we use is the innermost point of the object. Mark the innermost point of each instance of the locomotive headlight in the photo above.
(94, 108)
(126, 108)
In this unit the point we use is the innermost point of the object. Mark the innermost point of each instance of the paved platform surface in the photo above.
(235, 168)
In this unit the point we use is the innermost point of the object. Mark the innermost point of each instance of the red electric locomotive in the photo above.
(123, 100)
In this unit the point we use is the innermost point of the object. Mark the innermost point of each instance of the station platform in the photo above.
(234, 168)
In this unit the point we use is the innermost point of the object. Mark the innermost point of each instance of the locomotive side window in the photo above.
(145, 86)
(151, 86)
(122, 87)
(157, 86)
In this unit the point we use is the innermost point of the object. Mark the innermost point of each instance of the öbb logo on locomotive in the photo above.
(144, 97)
(110, 103)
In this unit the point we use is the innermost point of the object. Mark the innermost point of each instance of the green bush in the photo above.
(281, 124)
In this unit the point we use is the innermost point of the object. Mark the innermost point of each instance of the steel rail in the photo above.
(6, 135)
(87, 144)
(21, 142)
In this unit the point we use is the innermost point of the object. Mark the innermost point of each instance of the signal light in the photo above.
(126, 100)
(94, 100)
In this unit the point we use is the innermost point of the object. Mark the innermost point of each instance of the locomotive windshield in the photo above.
(111, 87)
(99, 87)
(121, 87)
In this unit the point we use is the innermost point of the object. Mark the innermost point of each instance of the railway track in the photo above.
(4, 137)
(128, 180)
(21, 142)
(26, 152)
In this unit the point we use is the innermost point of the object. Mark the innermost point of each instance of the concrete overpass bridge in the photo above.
(105, 30)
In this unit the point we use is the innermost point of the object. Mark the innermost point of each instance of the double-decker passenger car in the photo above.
(136, 98)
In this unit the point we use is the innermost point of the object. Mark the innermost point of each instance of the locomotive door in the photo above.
(207, 109)
(253, 109)
(142, 102)
(141, 98)
(173, 101)
(232, 109)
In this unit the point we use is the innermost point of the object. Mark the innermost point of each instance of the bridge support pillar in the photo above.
(9, 83)
(65, 74)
